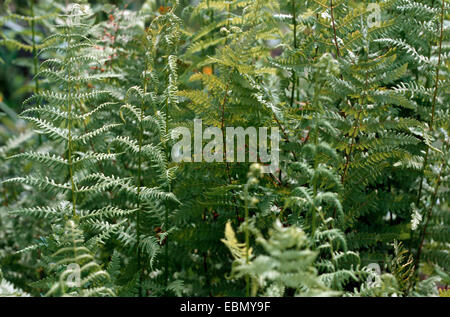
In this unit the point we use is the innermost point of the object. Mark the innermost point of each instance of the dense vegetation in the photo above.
(92, 94)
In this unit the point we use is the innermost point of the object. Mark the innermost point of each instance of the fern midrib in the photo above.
(338, 53)
(227, 165)
(425, 163)
(433, 109)
(294, 22)
(69, 128)
(35, 56)
(355, 130)
(166, 207)
(139, 206)
(429, 212)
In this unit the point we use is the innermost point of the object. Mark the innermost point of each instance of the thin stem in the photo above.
(228, 15)
(286, 137)
(338, 53)
(247, 243)
(294, 22)
(352, 144)
(222, 128)
(69, 139)
(431, 124)
(293, 80)
(212, 22)
(355, 132)
(428, 216)
(35, 56)
(433, 109)
(425, 163)
(315, 187)
(166, 213)
(138, 214)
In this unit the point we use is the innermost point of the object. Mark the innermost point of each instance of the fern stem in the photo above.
(138, 212)
(294, 80)
(294, 22)
(35, 56)
(286, 137)
(69, 139)
(428, 215)
(354, 133)
(352, 144)
(139, 184)
(166, 211)
(227, 166)
(425, 163)
(212, 22)
(433, 110)
(315, 187)
(228, 15)
(338, 53)
(247, 243)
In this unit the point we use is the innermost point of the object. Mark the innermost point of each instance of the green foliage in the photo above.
(288, 263)
(74, 267)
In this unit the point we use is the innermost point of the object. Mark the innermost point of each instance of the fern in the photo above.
(77, 273)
